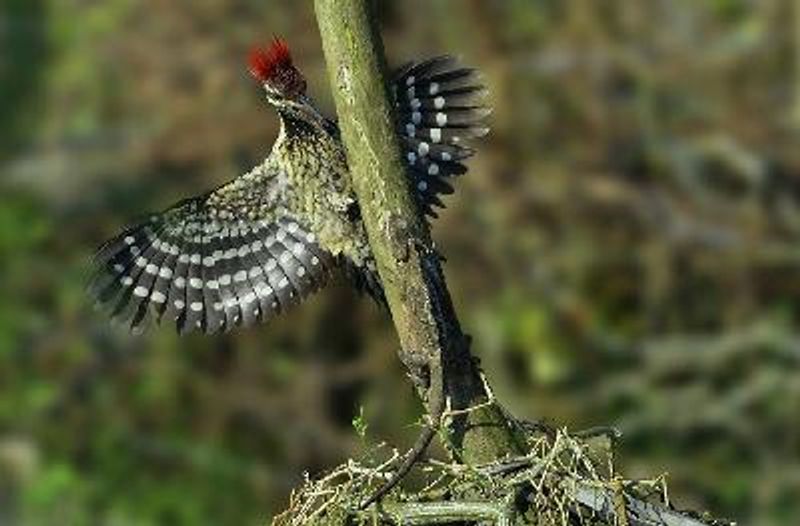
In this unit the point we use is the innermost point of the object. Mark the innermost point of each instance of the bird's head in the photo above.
(283, 83)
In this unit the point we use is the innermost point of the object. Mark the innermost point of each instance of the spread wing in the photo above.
(232, 257)
(439, 109)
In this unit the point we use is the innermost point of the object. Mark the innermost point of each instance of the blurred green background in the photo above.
(624, 251)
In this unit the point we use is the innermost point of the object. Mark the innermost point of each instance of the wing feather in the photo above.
(439, 108)
(233, 257)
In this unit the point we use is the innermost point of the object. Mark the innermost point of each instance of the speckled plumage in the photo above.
(253, 247)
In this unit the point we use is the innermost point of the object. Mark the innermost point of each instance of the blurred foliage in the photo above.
(624, 251)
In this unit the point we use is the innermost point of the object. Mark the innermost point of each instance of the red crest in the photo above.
(273, 65)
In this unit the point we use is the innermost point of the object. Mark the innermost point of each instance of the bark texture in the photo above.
(426, 324)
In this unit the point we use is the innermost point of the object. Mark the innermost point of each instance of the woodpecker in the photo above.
(244, 252)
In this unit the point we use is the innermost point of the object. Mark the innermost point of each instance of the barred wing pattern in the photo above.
(438, 108)
(208, 273)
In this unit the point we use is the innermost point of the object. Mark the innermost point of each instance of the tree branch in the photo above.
(478, 430)
(409, 269)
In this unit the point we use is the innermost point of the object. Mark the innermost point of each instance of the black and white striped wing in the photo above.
(190, 267)
(439, 108)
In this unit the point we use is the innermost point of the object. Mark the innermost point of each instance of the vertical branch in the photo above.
(420, 304)
(795, 114)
